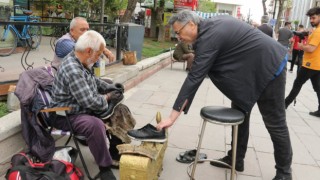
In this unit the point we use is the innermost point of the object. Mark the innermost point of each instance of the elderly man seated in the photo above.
(184, 52)
(90, 98)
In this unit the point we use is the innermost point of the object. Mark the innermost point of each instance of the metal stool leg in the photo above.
(198, 149)
(234, 151)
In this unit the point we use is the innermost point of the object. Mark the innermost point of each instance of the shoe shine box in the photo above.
(139, 167)
(100, 68)
(143, 162)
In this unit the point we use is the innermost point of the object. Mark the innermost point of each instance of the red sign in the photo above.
(186, 4)
(238, 12)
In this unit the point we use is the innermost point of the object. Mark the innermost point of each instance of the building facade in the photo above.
(299, 10)
(232, 7)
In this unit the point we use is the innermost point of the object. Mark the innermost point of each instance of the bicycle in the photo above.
(30, 34)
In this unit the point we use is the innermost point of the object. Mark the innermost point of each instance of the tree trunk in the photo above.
(153, 26)
(264, 7)
(280, 11)
(129, 11)
(160, 11)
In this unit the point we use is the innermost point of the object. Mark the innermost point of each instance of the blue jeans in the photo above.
(272, 109)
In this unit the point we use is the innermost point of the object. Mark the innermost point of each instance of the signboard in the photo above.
(238, 12)
(166, 17)
(185, 4)
(273, 22)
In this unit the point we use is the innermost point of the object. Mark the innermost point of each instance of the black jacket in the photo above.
(239, 59)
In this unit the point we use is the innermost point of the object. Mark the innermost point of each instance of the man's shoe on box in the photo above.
(148, 133)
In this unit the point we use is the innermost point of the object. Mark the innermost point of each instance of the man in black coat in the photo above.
(246, 66)
(264, 27)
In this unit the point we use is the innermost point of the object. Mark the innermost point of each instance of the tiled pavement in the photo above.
(158, 92)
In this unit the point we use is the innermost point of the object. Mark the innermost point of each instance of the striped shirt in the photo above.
(76, 87)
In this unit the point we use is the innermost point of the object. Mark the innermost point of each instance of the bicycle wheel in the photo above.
(35, 34)
(8, 41)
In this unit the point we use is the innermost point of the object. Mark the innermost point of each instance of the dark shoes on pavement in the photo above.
(315, 113)
(228, 160)
(282, 177)
(115, 98)
(189, 156)
(107, 174)
(148, 133)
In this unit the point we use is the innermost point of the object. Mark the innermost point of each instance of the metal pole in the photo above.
(118, 53)
(102, 14)
(274, 8)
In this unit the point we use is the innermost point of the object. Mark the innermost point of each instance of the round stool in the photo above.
(222, 116)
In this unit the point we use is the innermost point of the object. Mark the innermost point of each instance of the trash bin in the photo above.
(134, 39)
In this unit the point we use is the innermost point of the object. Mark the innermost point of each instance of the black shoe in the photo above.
(120, 87)
(107, 174)
(315, 113)
(281, 177)
(148, 133)
(227, 160)
(115, 98)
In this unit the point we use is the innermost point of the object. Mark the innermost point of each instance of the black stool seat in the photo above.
(222, 115)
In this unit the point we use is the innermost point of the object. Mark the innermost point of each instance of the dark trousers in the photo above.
(296, 54)
(303, 75)
(95, 132)
(272, 109)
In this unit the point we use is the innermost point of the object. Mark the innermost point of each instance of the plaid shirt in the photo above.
(76, 87)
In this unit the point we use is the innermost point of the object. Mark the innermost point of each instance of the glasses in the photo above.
(179, 31)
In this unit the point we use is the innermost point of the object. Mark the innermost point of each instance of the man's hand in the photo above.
(109, 55)
(165, 123)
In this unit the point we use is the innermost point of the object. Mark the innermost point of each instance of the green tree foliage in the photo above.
(91, 9)
(206, 6)
(113, 7)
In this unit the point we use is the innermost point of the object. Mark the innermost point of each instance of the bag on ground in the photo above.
(27, 167)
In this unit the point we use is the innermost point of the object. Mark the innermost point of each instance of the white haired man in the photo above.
(91, 99)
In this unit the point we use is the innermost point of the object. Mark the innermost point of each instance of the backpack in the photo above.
(27, 167)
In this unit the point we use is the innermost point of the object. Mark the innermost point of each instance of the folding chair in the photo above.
(61, 111)
(174, 60)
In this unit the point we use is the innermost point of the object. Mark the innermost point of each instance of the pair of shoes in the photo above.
(115, 98)
(315, 113)
(189, 156)
(148, 133)
(282, 177)
(107, 174)
(228, 160)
